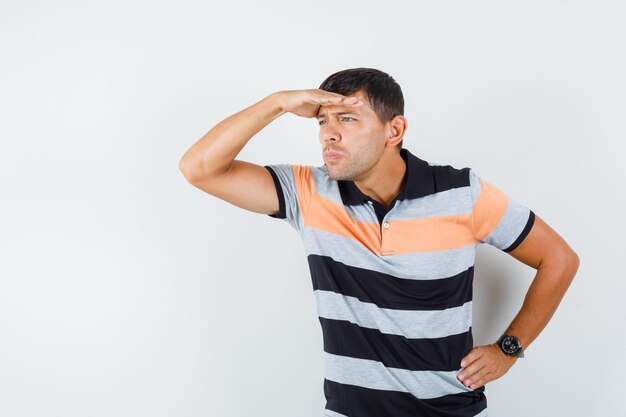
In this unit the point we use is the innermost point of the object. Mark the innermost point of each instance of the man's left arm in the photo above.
(556, 264)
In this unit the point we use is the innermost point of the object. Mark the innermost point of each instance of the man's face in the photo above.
(353, 132)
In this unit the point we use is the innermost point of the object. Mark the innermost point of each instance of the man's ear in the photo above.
(398, 126)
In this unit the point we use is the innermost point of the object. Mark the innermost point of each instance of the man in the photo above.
(390, 241)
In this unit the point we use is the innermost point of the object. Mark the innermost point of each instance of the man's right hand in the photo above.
(306, 103)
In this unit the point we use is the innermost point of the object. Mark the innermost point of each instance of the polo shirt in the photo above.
(393, 286)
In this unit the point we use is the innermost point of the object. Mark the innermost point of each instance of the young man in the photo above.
(390, 240)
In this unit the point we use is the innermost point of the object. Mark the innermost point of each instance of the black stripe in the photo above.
(446, 177)
(355, 401)
(282, 214)
(520, 238)
(387, 291)
(395, 351)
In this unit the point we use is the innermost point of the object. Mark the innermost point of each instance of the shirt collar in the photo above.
(419, 182)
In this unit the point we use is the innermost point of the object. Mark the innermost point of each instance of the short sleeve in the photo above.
(497, 219)
(294, 187)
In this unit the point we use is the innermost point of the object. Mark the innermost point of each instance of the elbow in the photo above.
(569, 264)
(574, 263)
(185, 166)
(570, 258)
(196, 170)
(565, 260)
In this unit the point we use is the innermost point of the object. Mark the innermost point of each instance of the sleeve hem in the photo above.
(282, 214)
(522, 236)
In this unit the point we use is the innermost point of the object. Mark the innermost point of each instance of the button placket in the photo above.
(373, 211)
(386, 225)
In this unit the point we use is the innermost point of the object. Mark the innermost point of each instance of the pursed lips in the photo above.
(332, 155)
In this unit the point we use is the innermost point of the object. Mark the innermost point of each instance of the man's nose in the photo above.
(330, 132)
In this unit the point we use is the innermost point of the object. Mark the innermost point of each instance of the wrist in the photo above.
(510, 345)
(277, 101)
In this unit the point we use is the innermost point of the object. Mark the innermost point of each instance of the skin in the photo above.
(370, 157)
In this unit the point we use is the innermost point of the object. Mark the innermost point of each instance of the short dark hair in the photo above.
(383, 92)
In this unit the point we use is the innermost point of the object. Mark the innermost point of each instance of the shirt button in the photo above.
(386, 225)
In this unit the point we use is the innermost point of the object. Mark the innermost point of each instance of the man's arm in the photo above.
(556, 264)
(210, 163)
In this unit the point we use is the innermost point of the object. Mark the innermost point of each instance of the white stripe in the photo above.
(326, 186)
(418, 265)
(510, 226)
(413, 324)
(374, 375)
(482, 413)
(452, 202)
(331, 413)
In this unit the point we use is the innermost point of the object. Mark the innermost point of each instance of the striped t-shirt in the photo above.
(393, 287)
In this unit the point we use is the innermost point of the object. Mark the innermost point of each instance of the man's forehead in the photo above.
(342, 110)
(339, 110)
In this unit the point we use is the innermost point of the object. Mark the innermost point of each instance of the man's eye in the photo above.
(319, 122)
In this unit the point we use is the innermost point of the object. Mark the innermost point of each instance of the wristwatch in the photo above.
(510, 346)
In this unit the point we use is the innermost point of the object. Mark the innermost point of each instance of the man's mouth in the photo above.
(332, 155)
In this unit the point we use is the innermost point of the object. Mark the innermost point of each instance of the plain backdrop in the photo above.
(126, 291)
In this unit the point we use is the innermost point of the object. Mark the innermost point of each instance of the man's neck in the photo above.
(387, 178)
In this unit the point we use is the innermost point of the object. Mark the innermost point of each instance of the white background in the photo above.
(125, 291)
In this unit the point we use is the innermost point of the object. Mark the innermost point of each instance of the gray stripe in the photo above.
(510, 225)
(325, 186)
(413, 324)
(364, 213)
(284, 172)
(444, 203)
(475, 185)
(418, 265)
(482, 413)
(331, 413)
(373, 374)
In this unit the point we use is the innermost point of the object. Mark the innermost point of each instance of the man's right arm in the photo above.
(210, 163)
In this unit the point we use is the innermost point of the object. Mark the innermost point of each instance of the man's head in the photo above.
(372, 129)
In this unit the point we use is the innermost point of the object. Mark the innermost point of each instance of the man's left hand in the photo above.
(484, 364)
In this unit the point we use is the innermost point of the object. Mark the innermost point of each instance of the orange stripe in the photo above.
(328, 216)
(305, 186)
(402, 237)
(427, 234)
(488, 209)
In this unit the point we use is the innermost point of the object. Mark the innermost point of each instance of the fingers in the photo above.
(336, 100)
(474, 354)
(473, 373)
(348, 101)
(482, 365)
(479, 380)
(476, 378)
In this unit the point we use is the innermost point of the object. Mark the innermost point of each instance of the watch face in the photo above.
(510, 344)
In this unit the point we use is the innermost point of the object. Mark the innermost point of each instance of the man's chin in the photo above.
(335, 176)
(336, 173)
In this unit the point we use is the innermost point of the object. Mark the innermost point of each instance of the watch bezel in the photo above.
(518, 352)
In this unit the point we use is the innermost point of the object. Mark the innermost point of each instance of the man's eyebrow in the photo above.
(338, 113)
